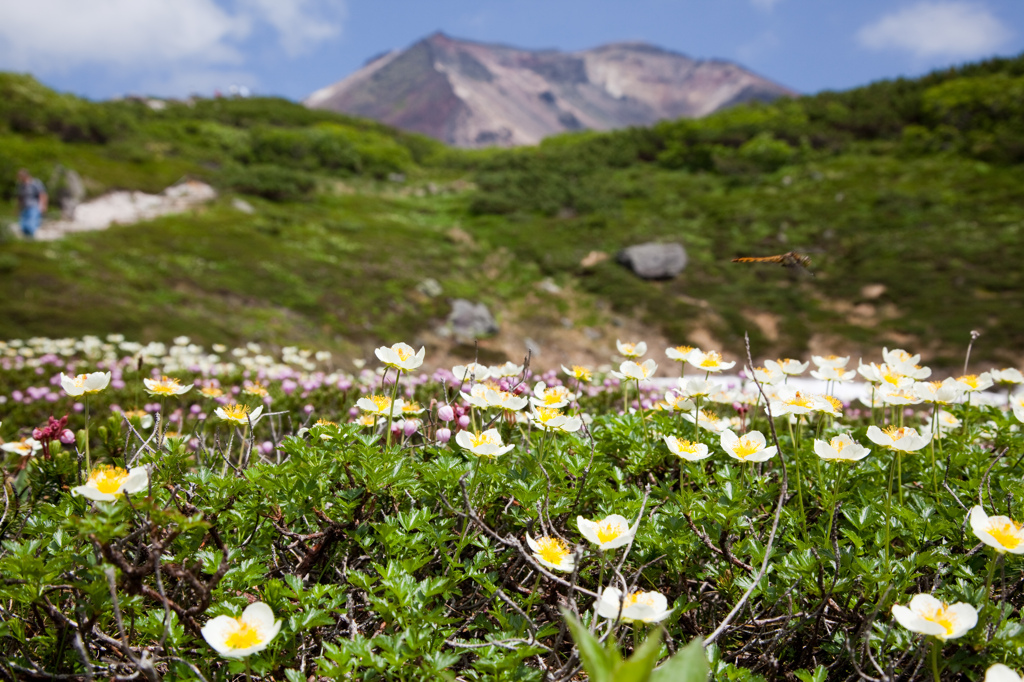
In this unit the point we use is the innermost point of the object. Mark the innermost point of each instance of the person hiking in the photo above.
(32, 202)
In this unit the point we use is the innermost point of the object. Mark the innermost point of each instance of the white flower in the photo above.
(791, 367)
(400, 356)
(842, 448)
(903, 439)
(550, 419)
(609, 533)
(380, 405)
(696, 388)
(751, 447)
(551, 396)
(709, 362)
(680, 353)
(1007, 377)
(691, 452)
(23, 447)
(999, 532)
(1001, 673)
(631, 350)
(248, 634)
(106, 483)
(84, 383)
(709, 421)
(631, 370)
(239, 414)
(473, 371)
(675, 402)
(165, 386)
(929, 616)
(769, 374)
(509, 369)
(486, 444)
(578, 372)
(788, 400)
(891, 395)
(879, 374)
(833, 374)
(898, 356)
(503, 400)
(945, 423)
(552, 553)
(943, 392)
(646, 607)
(831, 361)
(972, 383)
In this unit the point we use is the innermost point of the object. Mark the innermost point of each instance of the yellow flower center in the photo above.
(324, 422)
(800, 400)
(969, 379)
(256, 389)
(1007, 534)
(546, 414)
(628, 349)
(381, 402)
(211, 391)
(402, 353)
(745, 447)
(79, 381)
(838, 443)
(712, 359)
(237, 412)
(684, 349)
(107, 479)
(552, 550)
(411, 407)
(942, 616)
(553, 395)
(366, 420)
(687, 446)
(609, 530)
(581, 372)
(646, 598)
(896, 432)
(891, 376)
(836, 403)
(166, 386)
(478, 439)
(243, 637)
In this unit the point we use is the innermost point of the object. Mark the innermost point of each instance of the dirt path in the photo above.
(126, 208)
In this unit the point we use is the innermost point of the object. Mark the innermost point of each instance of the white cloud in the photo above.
(140, 35)
(931, 29)
(300, 24)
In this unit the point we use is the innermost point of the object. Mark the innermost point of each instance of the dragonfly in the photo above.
(790, 259)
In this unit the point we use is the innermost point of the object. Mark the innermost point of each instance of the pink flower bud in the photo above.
(67, 437)
(445, 413)
(464, 421)
(410, 427)
(37, 433)
(444, 435)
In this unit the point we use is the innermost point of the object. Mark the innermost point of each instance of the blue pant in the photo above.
(30, 219)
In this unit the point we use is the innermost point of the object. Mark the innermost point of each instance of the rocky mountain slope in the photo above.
(474, 94)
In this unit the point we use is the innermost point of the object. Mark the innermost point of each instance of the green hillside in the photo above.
(905, 194)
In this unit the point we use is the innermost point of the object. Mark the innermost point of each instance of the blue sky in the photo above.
(103, 48)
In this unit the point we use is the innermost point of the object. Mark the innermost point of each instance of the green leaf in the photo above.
(595, 658)
(639, 666)
(688, 665)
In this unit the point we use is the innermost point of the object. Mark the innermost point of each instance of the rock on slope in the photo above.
(474, 94)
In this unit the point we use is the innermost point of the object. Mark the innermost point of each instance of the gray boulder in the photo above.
(470, 320)
(654, 260)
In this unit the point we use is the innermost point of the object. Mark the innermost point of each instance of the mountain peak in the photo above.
(472, 94)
